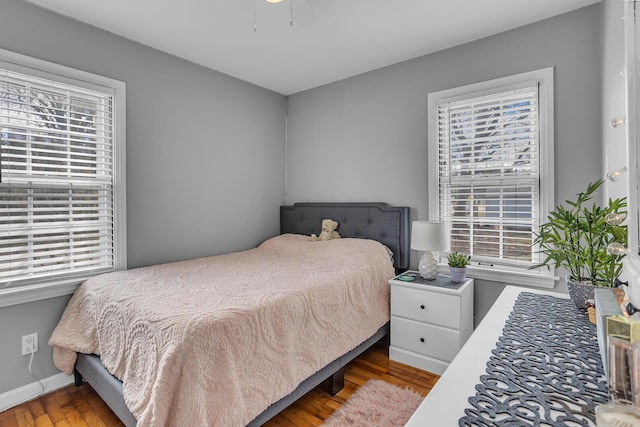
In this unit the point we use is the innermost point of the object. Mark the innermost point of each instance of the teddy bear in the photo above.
(328, 231)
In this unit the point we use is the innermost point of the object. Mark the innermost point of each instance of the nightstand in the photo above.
(430, 320)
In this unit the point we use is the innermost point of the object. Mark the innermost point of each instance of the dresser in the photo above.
(573, 367)
(430, 320)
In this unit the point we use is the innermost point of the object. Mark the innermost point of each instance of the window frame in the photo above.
(39, 290)
(541, 277)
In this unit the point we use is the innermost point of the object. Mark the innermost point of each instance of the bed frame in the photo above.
(377, 221)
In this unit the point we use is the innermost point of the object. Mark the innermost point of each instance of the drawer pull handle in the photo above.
(421, 339)
(422, 306)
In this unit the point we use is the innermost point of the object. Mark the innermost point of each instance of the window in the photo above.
(491, 164)
(61, 175)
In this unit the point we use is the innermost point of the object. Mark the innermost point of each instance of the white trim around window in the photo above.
(38, 288)
(482, 266)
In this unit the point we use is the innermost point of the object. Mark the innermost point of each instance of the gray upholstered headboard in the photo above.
(388, 225)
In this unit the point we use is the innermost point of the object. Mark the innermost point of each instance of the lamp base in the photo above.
(428, 266)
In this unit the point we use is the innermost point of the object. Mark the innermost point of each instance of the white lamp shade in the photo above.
(429, 236)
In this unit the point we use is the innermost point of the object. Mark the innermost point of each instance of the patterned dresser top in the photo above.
(532, 361)
(545, 370)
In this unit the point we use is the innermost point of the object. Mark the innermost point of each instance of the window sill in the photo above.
(37, 292)
(510, 277)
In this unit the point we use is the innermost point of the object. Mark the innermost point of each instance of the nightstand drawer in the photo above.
(428, 340)
(424, 306)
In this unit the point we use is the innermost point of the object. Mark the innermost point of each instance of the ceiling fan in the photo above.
(298, 13)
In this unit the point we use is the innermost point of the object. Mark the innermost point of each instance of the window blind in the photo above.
(56, 179)
(488, 174)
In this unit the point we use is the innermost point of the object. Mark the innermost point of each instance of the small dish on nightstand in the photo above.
(407, 277)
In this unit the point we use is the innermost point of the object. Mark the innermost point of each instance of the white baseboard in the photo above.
(31, 391)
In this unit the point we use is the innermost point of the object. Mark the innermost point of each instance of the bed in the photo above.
(204, 377)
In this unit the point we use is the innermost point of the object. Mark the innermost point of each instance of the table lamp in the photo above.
(431, 237)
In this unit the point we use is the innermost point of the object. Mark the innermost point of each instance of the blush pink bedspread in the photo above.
(214, 341)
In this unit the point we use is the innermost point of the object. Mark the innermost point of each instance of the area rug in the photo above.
(376, 404)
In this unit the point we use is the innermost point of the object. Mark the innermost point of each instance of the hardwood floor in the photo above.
(67, 407)
(316, 406)
(80, 406)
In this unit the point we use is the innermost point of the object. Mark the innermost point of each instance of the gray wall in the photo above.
(205, 159)
(365, 138)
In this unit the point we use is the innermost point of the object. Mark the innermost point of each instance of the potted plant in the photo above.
(458, 266)
(586, 240)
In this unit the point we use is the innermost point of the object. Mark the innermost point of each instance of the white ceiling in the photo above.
(329, 40)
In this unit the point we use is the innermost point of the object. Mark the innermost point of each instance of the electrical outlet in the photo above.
(29, 342)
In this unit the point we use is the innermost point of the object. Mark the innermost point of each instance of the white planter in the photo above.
(458, 274)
